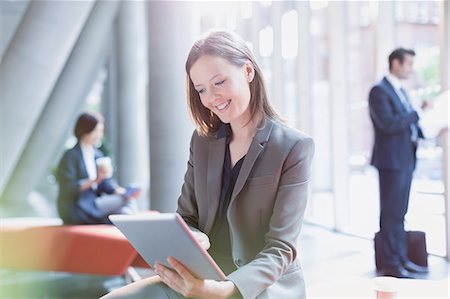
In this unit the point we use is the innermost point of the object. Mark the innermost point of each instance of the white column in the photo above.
(255, 27)
(304, 79)
(445, 85)
(110, 102)
(385, 41)
(304, 67)
(277, 92)
(30, 69)
(133, 158)
(65, 103)
(444, 25)
(445, 165)
(172, 31)
(339, 115)
(11, 15)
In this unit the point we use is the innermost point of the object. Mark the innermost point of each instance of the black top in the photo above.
(220, 233)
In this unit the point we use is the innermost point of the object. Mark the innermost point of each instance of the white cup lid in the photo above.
(103, 161)
(385, 283)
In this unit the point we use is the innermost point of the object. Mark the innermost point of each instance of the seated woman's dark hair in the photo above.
(86, 123)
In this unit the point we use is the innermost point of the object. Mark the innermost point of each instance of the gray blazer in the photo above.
(266, 207)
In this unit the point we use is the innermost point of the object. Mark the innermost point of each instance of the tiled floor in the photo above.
(326, 257)
(425, 213)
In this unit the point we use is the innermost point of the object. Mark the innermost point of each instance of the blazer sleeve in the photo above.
(284, 228)
(383, 116)
(68, 175)
(106, 186)
(187, 205)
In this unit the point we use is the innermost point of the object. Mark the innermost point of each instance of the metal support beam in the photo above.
(30, 68)
(66, 101)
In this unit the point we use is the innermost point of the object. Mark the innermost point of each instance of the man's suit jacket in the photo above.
(77, 207)
(393, 148)
(266, 207)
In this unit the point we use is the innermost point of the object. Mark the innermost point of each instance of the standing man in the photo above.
(397, 131)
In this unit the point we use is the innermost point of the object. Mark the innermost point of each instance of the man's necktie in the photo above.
(414, 128)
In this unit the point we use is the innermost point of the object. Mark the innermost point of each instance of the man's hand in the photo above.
(426, 105)
(183, 282)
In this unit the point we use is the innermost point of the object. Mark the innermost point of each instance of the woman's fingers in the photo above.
(180, 280)
(202, 239)
(181, 269)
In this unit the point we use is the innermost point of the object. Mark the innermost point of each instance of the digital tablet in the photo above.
(158, 236)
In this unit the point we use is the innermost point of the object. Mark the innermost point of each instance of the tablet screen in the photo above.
(158, 236)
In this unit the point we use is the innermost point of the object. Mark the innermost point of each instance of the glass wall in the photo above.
(276, 33)
(363, 187)
(416, 27)
(321, 205)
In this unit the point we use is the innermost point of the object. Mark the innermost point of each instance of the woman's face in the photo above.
(223, 88)
(95, 137)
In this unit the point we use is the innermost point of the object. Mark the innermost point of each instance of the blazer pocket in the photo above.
(261, 180)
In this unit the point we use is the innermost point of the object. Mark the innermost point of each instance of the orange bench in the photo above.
(87, 249)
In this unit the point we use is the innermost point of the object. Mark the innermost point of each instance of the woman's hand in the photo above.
(103, 172)
(120, 190)
(88, 184)
(202, 238)
(183, 282)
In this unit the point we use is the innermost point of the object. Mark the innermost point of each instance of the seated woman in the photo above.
(87, 195)
(245, 188)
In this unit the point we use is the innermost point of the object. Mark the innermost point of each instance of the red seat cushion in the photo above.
(89, 249)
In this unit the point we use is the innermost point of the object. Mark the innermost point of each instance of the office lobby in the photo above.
(126, 61)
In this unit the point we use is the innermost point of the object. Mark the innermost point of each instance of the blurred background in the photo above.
(125, 59)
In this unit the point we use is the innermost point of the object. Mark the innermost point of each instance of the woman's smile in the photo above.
(223, 106)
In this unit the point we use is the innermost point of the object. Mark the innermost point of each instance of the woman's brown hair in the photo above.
(231, 47)
(86, 123)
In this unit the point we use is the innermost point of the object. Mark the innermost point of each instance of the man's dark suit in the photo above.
(394, 155)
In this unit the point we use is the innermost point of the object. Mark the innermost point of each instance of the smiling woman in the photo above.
(227, 93)
(223, 63)
(245, 188)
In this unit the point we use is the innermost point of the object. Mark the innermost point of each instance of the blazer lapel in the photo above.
(83, 170)
(256, 147)
(390, 89)
(214, 178)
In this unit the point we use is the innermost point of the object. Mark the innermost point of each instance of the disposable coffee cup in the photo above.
(385, 287)
(105, 164)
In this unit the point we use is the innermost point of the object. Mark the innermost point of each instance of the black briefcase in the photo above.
(417, 249)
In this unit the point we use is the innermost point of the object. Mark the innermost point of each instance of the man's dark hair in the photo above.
(400, 54)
